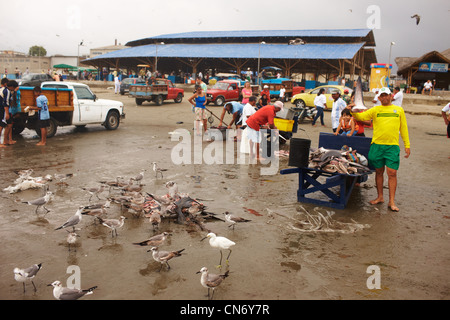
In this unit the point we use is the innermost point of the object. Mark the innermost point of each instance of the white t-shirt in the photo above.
(247, 112)
(282, 91)
(320, 101)
(446, 109)
(398, 99)
(428, 85)
(116, 80)
(377, 101)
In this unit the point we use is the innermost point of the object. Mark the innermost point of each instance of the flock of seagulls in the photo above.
(172, 205)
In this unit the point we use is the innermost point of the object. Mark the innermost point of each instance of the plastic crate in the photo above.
(283, 124)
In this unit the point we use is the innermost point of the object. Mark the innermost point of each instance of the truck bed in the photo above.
(58, 99)
(146, 91)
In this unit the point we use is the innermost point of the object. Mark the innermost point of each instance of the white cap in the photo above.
(266, 86)
(384, 90)
(279, 104)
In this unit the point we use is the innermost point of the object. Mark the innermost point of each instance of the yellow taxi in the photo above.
(306, 99)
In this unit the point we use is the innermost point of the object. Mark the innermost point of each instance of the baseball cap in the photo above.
(384, 90)
(266, 86)
(279, 104)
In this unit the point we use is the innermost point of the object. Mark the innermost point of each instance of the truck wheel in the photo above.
(112, 120)
(51, 129)
(139, 101)
(159, 100)
(219, 101)
(179, 98)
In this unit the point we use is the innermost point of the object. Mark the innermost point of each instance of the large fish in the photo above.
(359, 99)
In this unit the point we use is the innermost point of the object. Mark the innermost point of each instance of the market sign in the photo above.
(433, 67)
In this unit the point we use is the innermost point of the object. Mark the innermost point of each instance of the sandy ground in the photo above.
(270, 260)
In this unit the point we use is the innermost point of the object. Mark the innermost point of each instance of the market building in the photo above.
(329, 54)
(431, 66)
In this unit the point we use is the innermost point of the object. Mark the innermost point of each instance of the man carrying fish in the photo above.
(384, 155)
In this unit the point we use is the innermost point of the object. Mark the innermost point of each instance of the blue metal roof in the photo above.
(348, 33)
(240, 51)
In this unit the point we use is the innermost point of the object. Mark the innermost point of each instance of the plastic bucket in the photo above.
(299, 152)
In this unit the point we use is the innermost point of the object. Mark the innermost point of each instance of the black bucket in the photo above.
(299, 152)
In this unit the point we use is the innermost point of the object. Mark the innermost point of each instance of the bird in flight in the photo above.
(417, 17)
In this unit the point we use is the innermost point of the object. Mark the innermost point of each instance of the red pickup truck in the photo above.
(162, 89)
(226, 90)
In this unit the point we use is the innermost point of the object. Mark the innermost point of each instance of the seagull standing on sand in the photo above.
(211, 281)
(164, 256)
(74, 220)
(154, 241)
(139, 177)
(157, 170)
(40, 202)
(95, 191)
(234, 219)
(72, 239)
(155, 219)
(22, 275)
(113, 224)
(63, 293)
(220, 243)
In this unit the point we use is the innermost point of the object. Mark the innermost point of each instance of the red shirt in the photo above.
(263, 116)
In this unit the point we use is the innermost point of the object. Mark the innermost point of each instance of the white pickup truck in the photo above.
(70, 103)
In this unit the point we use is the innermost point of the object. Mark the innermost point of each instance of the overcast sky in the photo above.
(59, 26)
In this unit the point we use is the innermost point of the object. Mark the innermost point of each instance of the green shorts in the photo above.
(381, 155)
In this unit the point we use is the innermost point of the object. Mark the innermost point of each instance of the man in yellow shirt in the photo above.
(388, 121)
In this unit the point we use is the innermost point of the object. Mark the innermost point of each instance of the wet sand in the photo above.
(270, 260)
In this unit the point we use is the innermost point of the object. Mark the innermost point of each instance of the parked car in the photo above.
(34, 79)
(227, 90)
(126, 83)
(306, 99)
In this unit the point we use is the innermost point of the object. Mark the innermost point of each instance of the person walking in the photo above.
(116, 84)
(338, 106)
(384, 155)
(320, 101)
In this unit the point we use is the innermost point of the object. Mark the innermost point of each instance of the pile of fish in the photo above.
(345, 161)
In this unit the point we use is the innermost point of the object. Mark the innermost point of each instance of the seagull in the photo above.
(173, 189)
(113, 224)
(164, 256)
(155, 219)
(211, 281)
(96, 210)
(139, 177)
(221, 243)
(74, 220)
(154, 241)
(417, 18)
(63, 293)
(95, 191)
(61, 177)
(42, 201)
(22, 275)
(234, 219)
(157, 170)
(72, 238)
